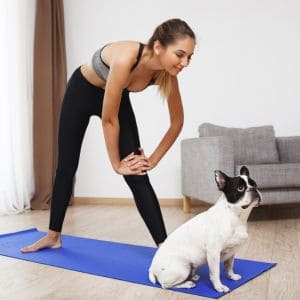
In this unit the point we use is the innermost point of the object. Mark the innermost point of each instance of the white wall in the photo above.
(245, 72)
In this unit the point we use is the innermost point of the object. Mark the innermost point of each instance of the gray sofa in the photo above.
(273, 162)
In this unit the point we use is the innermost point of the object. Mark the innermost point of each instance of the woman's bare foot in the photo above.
(51, 240)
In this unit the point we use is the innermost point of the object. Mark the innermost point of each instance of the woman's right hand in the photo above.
(133, 164)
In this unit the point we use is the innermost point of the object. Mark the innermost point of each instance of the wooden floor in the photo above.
(274, 236)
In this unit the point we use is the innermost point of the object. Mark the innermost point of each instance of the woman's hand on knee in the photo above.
(150, 163)
(142, 163)
(133, 165)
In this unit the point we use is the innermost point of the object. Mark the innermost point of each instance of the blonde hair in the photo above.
(163, 80)
(167, 33)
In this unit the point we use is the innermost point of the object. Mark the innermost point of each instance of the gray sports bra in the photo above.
(102, 69)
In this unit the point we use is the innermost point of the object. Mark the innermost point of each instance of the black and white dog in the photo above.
(211, 236)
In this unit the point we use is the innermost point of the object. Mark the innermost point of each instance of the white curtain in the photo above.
(16, 105)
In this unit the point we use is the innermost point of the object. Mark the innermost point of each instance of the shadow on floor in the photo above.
(265, 212)
(275, 212)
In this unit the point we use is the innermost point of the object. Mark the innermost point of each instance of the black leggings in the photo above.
(81, 101)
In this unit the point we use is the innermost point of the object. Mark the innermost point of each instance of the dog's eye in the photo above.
(241, 188)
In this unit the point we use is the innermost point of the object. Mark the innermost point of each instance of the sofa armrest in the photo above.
(288, 149)
(199, 158)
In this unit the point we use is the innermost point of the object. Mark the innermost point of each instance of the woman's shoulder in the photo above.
(120, 52)
(125, 43)
(123, 48)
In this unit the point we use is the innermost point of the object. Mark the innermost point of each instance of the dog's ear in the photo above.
(244, 171)
(220, 178)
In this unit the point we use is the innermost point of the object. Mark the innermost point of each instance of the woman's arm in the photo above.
(116, 82)
(176, 123)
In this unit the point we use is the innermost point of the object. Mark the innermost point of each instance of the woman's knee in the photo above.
(66, 171)
(137, 180)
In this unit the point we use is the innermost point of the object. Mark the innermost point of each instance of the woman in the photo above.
(102, 88)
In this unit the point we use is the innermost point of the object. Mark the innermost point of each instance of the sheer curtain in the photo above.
(16, 102)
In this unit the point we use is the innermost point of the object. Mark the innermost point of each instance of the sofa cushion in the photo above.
(274, 175)
(289, 149)
(253, 145)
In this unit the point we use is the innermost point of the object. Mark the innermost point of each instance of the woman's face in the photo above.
(176, 56)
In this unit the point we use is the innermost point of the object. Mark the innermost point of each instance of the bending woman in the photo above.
(102, 88)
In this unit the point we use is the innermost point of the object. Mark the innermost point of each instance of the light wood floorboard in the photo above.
(274, 235)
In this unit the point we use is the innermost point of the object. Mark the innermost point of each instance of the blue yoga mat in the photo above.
(116, 260)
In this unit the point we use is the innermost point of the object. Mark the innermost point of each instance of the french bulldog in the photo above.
(210, 237)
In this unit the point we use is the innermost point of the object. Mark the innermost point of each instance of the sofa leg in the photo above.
(186, 204)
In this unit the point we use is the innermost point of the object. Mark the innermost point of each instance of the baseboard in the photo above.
(130, 201)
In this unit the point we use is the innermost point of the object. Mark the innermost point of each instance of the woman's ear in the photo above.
(157, 47)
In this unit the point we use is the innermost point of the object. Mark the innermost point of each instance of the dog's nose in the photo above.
(257, 196)
(255, 193)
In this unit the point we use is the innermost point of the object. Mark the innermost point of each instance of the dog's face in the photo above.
(240, 191)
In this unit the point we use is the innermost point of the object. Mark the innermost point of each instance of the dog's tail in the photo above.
(152, 277)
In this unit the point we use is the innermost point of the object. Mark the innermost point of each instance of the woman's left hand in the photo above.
(151, 163)
(142, 163)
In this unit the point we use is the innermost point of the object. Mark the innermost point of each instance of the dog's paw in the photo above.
(221, 288)
(233, 276)
(196, 277)
(190, 284)
(186, 285)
